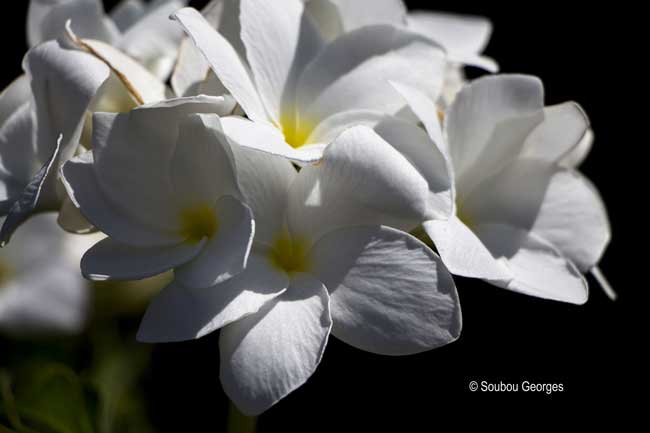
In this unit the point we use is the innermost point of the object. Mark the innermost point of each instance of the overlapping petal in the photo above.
(264, 357)
(390, 294)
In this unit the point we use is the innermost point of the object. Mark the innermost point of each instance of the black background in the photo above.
(592, 55)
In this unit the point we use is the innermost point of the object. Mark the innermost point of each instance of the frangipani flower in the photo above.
(112, 82)
(374, 287)
(141, 30)
(30, 152)
(522, 221)
(464, 37)
(42, 292)
(300, 92)
(159, 182)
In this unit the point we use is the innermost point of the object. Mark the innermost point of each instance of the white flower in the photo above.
(42, 292)
(522, 220)
(50, 101)
(300, 92)
(141, 30)
(374, 287)
(463, 37)
(160, 184)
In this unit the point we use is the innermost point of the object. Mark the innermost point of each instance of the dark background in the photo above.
(587, 54)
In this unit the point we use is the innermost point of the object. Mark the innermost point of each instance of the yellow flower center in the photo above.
(295, 133)
(198, 222)
(289, 255)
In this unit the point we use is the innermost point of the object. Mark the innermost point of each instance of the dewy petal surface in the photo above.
(389, 293)
(179, 313)
(538, 268)
(264, 356)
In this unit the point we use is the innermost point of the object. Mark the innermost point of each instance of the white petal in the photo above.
(224, 60)
(352, 73)
(46, 20)
(133, 153)
(154, 40)
(67, 78)
(538, 268)
(514, 196)
(145, 87)
(339, 16)
(226, 253)
(264, 181)
(574, 219)
(425, 110)
(487, 124)
(361, 180)
(267, 355)
(81, 184)
(389, 293)
(110, 260)
(580, 152)
(280, 42)
(179, 313)
(202, 165)
(18, 158)
(190, 70)
(463, 252)
(559, 205)
(127, 12)
(13, 97)
(38, 194)
(563, 129)
(459, 34)
(266, 138)
(330, 128)
(416, 146)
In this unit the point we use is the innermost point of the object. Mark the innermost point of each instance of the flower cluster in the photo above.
(314, 167)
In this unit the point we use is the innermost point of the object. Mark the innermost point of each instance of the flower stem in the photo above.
(238, 422)
(604, 284)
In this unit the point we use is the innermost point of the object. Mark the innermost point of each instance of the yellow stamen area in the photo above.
(441, 115)
(295, 133)
(6, 272)
(198, 222)
(289, 255)
(462, 215)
